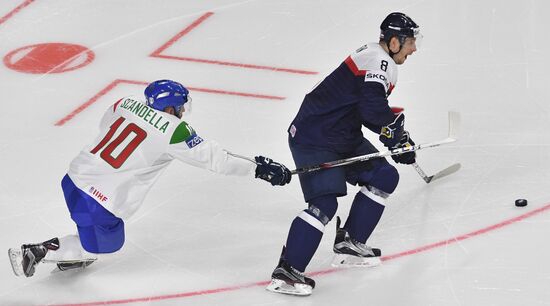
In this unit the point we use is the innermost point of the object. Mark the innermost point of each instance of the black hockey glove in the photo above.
(405, 158)
(391, 133)
(273, 172)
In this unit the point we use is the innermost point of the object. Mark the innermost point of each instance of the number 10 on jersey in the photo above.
(107, 147)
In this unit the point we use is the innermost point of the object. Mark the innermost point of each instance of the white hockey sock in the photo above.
(70, 249)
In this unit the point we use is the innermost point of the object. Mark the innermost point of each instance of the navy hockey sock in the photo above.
(366, 211)
(307, 229)
(302, 242)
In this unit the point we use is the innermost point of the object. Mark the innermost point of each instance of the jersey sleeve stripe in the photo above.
(115, 105)
(353, 67)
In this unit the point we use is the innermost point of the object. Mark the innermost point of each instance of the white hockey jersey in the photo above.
(134, 145)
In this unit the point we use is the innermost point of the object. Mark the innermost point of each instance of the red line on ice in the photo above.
(196, 23)
(116, 82)
(15, 10)
(188, 29)
(232, 64)
(322, 272)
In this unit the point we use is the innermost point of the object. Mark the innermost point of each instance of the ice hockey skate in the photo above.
(24, 261)
(286, 279)
(16, 258)
(351, 253)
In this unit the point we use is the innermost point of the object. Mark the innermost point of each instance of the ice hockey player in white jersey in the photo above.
(328, 127)
(107, 182)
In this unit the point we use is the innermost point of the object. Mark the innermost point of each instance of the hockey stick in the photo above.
(426, 178)
(454, 121)
(447, 171)
(241, 157)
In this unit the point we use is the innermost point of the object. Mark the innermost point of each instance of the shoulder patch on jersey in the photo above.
(184, 132)
(181, 133)
(363, 47)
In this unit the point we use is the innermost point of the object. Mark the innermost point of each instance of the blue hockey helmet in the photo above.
(164, 93)
(400, 25)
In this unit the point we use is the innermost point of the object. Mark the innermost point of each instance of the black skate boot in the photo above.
(350, 252)
(286, 279)
(24, 261)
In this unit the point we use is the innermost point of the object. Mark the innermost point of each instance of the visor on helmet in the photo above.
(186, 107)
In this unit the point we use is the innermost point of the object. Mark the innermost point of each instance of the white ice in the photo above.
(206, 239)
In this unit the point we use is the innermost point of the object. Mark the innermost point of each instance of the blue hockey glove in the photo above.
(273, 172)
(391, 133)
(405, 158)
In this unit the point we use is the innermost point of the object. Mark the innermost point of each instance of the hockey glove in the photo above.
(408, 157)
(390, 134)
(273, 172)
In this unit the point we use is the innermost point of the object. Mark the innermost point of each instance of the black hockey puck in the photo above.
(521, 202)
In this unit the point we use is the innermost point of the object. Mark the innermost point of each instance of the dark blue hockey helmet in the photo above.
(400, 25)
(164, 93)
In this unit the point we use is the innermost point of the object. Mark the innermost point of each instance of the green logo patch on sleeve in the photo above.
(182, 133)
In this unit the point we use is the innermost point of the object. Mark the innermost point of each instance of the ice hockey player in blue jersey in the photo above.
(327, 128)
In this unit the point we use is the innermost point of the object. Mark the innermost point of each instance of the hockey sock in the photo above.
(302, 242)
(307, 229)
(70, 249)
(366, 210)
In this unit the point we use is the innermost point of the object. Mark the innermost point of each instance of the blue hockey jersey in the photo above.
(352, 96)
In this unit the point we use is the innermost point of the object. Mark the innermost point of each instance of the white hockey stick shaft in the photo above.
(454, 121)
(421, 172)
(347, 161)
(242, 157)
(396, 151)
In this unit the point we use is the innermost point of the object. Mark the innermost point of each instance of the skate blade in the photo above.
(87, 261)
(345, 260)
(74, 265)
(16, 259)
(279, 286)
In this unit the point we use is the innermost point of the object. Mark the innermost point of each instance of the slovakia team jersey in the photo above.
(352, 96)
(134, 145)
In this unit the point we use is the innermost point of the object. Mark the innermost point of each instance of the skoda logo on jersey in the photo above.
(377, 76)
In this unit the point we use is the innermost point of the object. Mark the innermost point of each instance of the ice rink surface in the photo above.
(207, 239)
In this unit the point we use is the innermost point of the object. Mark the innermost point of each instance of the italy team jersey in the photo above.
(134, 146)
